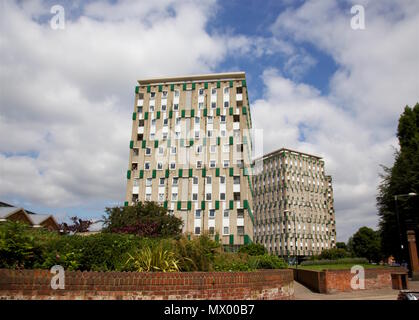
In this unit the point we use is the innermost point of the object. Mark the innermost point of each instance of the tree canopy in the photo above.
(366, 243)
(147, 219)
(401, 179)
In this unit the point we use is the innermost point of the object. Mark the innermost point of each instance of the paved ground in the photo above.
(303, 293)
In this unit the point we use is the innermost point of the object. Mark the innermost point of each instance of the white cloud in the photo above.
(67, 95)
(354, 126)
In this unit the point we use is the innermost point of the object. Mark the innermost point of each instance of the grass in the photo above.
(321, 267)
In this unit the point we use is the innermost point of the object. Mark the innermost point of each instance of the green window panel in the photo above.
(134, 115)
(167, 173)
(170, 114)
(148, 89)
(244, 110)
(165, 205)
(245, 172)
(131, 144)
(189, 205)
(205, 112)
(192, 113)
(169, 143)
(160, 88)
(158, 114)
(182, 142)
(143, 144)
(191, 142)
(204, 172)
(137, 89)
(183, 112)
(141, 174)
(184, 87)
(156, 143)
(204, 141)
(231, 141)
(245, 204)
(231, 239)
(231, 83)
(190, 173)
(218, 84)
(231, 171)
(230, 111)
(206, 85)
(193, 86)
(180, 173)
(154, 174)
(128, 174)
(202, 205)
(172, 87)
(179, 205)
(218, 111)
(126, 204)
(231, 206)
(146, 115)
(243, 83)
(218, 141)
(189, 237)
(217, 237)
(217, 205)
(217, 172)
(247, 239)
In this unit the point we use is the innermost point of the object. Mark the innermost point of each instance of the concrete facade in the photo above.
(190, 151)
(293, 204)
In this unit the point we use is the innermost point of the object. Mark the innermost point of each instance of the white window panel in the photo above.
(141, 130)
(239, 97)
(240, 222)
(140, 102)
(135, 190)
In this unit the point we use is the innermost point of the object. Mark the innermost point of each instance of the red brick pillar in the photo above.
(413, 254)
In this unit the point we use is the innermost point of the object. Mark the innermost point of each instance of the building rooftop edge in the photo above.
(209, 76)
(286, 149)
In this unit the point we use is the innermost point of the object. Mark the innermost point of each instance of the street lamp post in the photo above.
(411, 194)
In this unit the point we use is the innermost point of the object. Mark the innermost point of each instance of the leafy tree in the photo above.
(253, 249)
(78, 225)
(341, 245)
(401, 178)
(366, 243)
(333, 254)
(144, 219)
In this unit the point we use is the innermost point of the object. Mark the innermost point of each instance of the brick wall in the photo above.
(35, 284)
(330, 281)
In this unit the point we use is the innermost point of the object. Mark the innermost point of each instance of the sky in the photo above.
(315, 84)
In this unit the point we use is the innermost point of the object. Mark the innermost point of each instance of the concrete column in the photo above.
(413, 254)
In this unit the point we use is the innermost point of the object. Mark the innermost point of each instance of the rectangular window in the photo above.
(164, 95)
(213, 91)
(173, 150)
(222, 180)
(147, 151)
(147, 165)
(213, 148)
(176, 107)
(226, 213)
(195, 180)
(200, 105)
(197, 230)
(161, 150)
(198, 214)
(199, 149)
(159, 166)
(213, 105)
(226, 90)
(174, 196)
(161, 181)
(222, 196)
(209, 180)
(151, 108)
(226, 148)
(177, 93)
(226, 231)
(194, 196)
(226, 104)
(211, 214)
(152, 95)
(240, 230)
(199, 164)
(161, 197)
(172, 165)
(175, 181)
(196, 134)
(197, 120)
(149, 182)
(210, 120)
(208, 196)
(223, 119)
(226, 163)
(201, 92)
(212, 163)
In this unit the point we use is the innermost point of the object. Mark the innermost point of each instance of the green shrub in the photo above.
(253, 249)
(333, 254)
(197, 254)
(338, 261)
(268, 261)
(18, 248)
(234, 262)
(156, 258)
